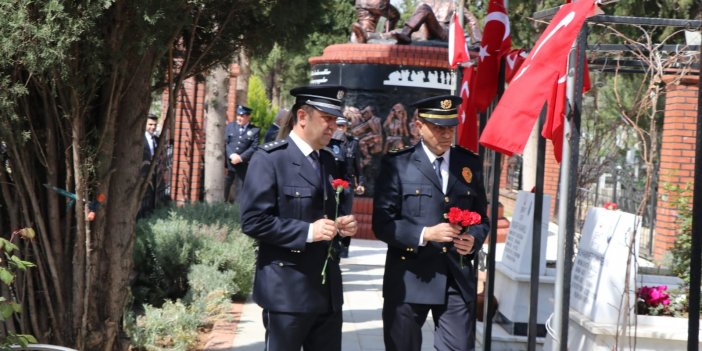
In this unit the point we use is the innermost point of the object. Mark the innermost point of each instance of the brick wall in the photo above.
(677, 157)
(188, 143)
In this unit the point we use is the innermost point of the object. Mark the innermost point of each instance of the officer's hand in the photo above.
(442, 232)
(323, 229)
(360, 190)
(235, 159)
(464, 243)
(347, 225)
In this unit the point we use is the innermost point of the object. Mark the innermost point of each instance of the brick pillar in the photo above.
(188, 143)
(677, 157)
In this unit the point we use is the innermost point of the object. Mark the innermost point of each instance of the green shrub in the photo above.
(173, 240)
(195, 255)
(173, 326)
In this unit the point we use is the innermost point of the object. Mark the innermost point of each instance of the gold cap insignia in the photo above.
(446, 104)
(467, 174)
(340, 94)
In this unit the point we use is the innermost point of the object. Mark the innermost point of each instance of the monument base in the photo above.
(513, 295)
(651, 333)
(503, 341)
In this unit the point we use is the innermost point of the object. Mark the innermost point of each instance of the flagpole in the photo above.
(567, 192)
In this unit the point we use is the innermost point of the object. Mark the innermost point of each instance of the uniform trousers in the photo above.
(311, 331)
(402, 324)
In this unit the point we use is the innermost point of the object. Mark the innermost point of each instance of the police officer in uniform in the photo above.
(347, 155)
(289, 208)
(423, 272)
(241, 142)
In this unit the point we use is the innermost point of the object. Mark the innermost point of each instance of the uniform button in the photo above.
(297, 194)
(281, 264)
(446, 199)
(417, 192)
(402, 258)
(444, 249)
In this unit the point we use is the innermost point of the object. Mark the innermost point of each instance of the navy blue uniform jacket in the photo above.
(281, 197)
(244, 144)
(408, 197)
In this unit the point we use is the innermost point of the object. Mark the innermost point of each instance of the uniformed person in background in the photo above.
(241, 138)
(423, 272)
(347, 155)
(288, 206)
(272, 132)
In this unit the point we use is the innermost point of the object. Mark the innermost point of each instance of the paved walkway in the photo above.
(363, 327)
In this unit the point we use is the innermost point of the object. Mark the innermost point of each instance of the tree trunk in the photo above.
(242, 84)
(217, 89)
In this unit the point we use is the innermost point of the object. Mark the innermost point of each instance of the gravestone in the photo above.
(599, 272)
(517, 253)
(513, 272)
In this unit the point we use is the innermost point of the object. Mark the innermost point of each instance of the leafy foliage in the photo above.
(9, 306)
(175, 243)
(680, 198)
(263, 113)
(190, 261)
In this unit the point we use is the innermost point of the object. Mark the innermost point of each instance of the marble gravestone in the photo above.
(513, 273)
(517, 253)
(599, 272)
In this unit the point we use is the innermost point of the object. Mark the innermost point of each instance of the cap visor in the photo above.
(444, 122)
(330, 111)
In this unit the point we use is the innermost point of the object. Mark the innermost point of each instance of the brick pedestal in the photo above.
(677, 157)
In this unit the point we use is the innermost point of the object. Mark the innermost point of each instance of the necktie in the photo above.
(314, 156)
(437, 169)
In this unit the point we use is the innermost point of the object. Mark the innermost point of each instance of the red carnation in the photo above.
(464, 218)
(340, 184)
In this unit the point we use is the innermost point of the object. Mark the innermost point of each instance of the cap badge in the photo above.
(340, 94)
(446, 104)
(467, 174)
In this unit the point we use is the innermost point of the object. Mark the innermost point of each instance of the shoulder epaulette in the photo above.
(463, 149)
(401, 150)
(273, 145)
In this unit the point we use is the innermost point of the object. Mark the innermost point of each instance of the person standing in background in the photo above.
(272, 132)
(241, 139)
(148, 201)
(347, 155)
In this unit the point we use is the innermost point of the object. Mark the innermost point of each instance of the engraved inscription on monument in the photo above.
(517, 253)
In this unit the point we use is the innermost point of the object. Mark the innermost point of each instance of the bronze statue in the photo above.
(429, 21)
(369, 13)
(395, 127)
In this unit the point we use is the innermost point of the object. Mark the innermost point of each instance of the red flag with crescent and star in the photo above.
(555, 119)
(536, 82)
(467, 116)
(513, 61)
(458, 52)
(496, 42)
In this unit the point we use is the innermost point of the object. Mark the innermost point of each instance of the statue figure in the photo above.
(370, 134)
(395, 127)
(430, 21)
(368, 13)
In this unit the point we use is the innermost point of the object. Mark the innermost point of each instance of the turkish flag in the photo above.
(496, 42)
(555, 118)
(458, 52)
(467, 116)
(514, 60)
(536, 82)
